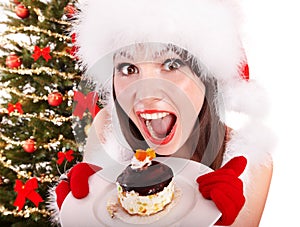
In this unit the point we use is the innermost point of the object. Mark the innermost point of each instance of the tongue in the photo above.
(163, 126)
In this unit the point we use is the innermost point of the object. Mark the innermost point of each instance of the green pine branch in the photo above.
(46, 25)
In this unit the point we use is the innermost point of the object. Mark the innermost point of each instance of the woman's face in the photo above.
(163, 98)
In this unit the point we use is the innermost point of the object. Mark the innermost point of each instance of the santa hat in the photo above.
(208, 29)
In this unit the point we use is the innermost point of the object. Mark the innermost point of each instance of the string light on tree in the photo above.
(55, 98)
(13, 61)
(21, 11)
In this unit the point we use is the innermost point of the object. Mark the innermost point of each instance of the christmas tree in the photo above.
(44, 112)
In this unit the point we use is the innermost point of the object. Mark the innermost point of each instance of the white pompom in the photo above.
(246, 97)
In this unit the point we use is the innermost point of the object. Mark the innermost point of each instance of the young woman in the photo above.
(176, 69)
(166, 101)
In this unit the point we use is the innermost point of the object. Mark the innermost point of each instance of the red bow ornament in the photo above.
(27, 191)
(73, 37)
(44, 52)
(73, 50)
(88, 102)
(65, 155)
(12, 107)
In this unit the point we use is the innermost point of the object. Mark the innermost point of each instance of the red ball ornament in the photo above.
(55, 98)
(16, 2)
(29, 146)
(21, 11)
(13, 61)
(70, 10)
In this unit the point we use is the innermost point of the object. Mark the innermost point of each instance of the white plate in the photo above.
(191, 208)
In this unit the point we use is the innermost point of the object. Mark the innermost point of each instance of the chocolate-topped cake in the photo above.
(145, 187)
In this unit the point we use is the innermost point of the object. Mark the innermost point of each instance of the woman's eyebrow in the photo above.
(147, 54)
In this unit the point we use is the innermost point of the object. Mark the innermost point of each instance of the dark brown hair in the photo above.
(206, 144)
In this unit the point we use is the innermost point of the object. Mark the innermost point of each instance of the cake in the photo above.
(145, 187)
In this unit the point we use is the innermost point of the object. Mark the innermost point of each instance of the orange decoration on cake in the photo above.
(141, 155)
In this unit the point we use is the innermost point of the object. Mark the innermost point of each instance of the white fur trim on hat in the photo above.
(244, 97)
(209, 29)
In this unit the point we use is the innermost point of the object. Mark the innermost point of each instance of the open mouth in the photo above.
(159, 126)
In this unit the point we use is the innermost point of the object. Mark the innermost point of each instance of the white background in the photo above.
(272, 43)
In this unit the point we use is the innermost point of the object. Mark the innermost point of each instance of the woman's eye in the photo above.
(172, 64)
(127, 69)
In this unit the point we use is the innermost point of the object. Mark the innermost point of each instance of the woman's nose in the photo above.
(154, 88)
(149, 86)
(150, 70)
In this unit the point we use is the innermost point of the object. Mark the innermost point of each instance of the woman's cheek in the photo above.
(125, 96)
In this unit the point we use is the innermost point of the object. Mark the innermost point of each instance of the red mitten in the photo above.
(77, 182)
(62, 190)
(225, 188)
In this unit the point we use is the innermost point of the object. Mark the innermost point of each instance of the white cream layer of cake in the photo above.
(133, 203)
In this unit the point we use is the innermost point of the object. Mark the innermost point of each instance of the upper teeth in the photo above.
(154, 115)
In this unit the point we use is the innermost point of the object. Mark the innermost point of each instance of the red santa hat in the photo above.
(208, 29)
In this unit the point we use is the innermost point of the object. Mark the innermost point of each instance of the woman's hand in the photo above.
(225, 188)
(77, 182)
